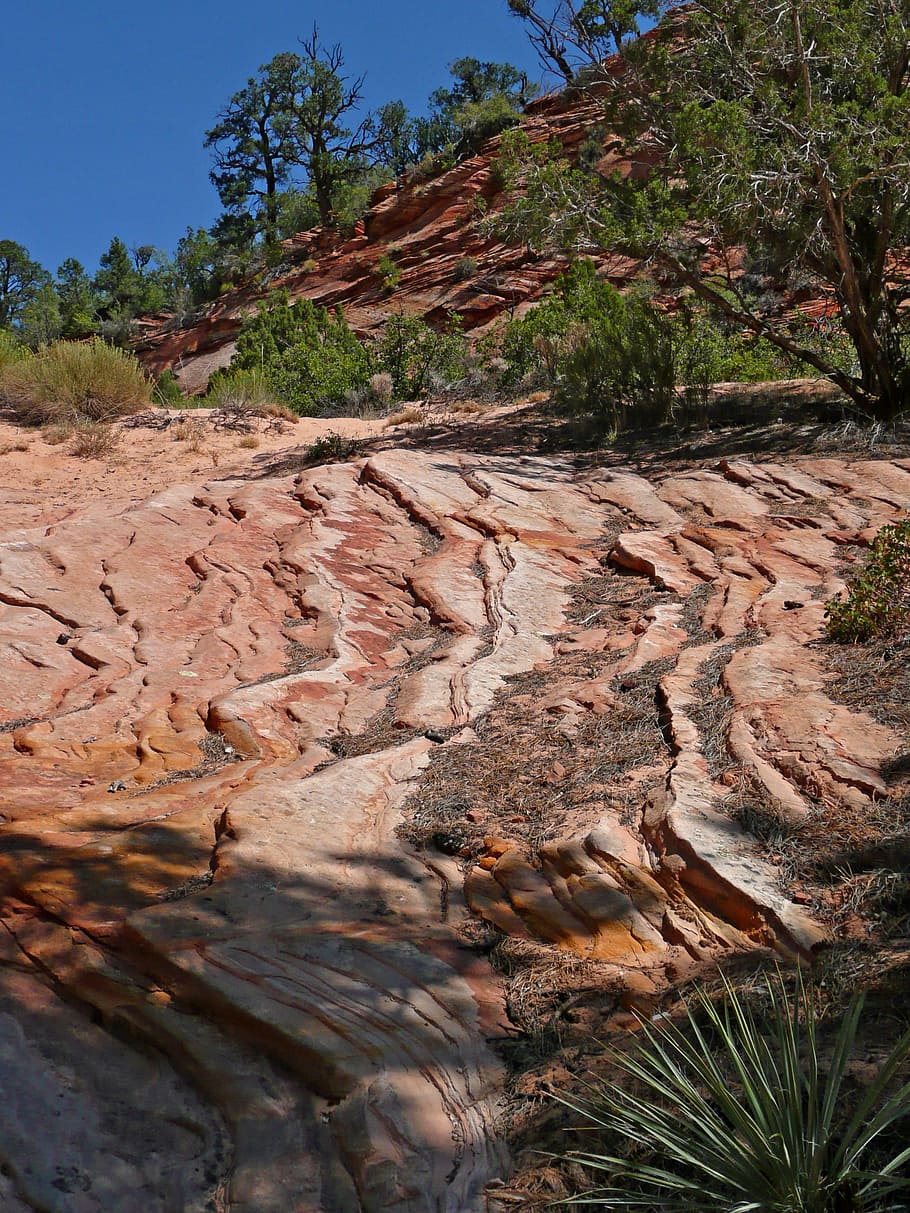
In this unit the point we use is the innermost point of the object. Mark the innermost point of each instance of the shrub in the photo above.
(371, 400)
(465, 269)
(389, 272)
(731, 1113)
(607, 354)
(167, 392)
(878, 597)
(418, 356)
(59, 432)
(409, 416)
(619, 366)
(707, 351)
(72, 380)
(331, 448)
(307, 356)
(94, 440)
(236, 389)
(11, 350)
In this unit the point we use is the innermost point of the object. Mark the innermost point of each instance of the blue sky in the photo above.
(103, 105)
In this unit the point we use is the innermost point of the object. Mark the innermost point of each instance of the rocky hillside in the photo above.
(286, 751)
(430, 229)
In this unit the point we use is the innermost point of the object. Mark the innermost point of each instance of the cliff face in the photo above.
(432, 231)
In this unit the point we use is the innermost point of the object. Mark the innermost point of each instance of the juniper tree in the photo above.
(768, 134)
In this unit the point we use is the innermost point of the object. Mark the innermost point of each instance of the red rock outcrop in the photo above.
(226, 983)
(430, 228)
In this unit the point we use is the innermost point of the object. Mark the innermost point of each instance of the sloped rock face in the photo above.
(432, 232)
(226, 982)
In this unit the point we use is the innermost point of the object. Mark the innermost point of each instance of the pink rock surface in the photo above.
(213, 705)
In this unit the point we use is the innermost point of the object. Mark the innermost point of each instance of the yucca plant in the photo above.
(744, 1116)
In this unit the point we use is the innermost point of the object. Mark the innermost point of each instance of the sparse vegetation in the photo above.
(72, 381)
(389, 272)
(877, 603)
(331, 448)
(741, 1109)
(94, 440)
(465, 269)
(409, 416)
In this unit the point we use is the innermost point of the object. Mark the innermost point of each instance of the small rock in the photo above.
(117, 786)
(488, 863)
(497, 846)
(435, 735)
(789, 605)
(474, 815)
(802, 899)
(64, 638)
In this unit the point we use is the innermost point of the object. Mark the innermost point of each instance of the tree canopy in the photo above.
(21, 281)
(770, 143)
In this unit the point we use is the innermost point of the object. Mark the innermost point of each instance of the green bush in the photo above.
(619, 358)
(75, 380)
(167, 392)
(619, 367)
(237, 389)
(307, 356)
(11, 349)
(607, 354)
(419, 357)
(878, 597)
(707, 351)
(389, 272)
(736, 1113)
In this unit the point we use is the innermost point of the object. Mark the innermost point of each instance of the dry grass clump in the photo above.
(73, 380)
(467, 407)
(59, 432)
(246, 390)
(408, 416)
(9, 448)
(94, 440)
(249, 442)
(192, 433)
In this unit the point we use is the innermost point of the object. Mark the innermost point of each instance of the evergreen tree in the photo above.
(21, 281)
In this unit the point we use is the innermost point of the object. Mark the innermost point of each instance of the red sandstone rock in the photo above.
(247, 671)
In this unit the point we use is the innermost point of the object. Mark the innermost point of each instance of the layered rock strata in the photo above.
(226, 983)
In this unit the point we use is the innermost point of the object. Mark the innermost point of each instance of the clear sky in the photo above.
(104, 104)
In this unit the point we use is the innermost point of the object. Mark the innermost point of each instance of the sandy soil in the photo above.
(40, 482)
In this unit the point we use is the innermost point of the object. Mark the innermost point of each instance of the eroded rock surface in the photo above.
(222, 967)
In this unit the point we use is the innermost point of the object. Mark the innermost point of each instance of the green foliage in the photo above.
(167, 392)
(483, 99)
(287, 129)
(308, 356)
(741, 1113)
(608, 355)
(72, 381)
(708, 350)
(40, 322)
(877, 604)
(419, 357)
(77, 299)
(11, 349)
(465, 269)
(239, 389)
(331, 448)
(389, 272)
(21, 280)
(779, 132)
